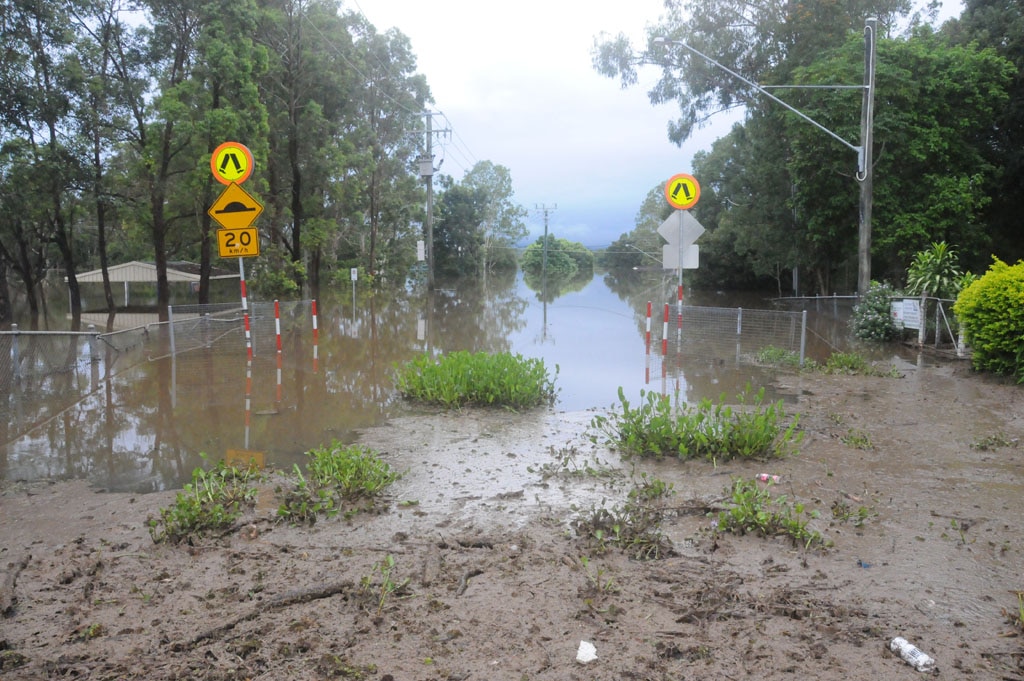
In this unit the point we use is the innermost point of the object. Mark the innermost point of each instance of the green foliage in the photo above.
(211, 502)
(504, 222)
(755, 511)
(633, 526)
(563, 259)
(857, 439)
(276, 278)
(842, 513)
(872, 315)
(713, 431)
(387, 585)
(776, 356)
(994, 441)
(482, 379)
(847, 363)
(935, 272)
(991, 315)
(458, 240)
(335, 474)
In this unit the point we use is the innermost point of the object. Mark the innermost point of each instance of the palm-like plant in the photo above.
(935, 271)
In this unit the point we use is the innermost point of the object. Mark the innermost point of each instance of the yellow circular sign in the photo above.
(231, 162)
(682, 191)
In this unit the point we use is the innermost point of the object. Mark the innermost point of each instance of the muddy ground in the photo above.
(919, 482)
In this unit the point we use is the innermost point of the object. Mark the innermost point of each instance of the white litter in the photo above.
(586, 653)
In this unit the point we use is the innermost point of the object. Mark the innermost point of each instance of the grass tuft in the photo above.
(460, 379)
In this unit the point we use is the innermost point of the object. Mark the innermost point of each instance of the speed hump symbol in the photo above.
(682, 191)
(231, 162)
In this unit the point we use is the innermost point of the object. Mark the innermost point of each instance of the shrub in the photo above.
(991, 315)
(461, 379)
(935, 272)
(335, 474)
(709, 430)
(872, 316)
(755, 511)
(211, 502)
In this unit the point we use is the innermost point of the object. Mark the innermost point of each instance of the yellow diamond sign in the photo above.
(235, 208)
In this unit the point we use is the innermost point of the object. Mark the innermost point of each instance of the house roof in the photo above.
(146, 271)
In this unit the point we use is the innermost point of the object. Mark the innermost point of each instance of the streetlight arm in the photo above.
(860, 151)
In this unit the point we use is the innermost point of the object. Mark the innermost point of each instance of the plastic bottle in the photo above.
(911, 654)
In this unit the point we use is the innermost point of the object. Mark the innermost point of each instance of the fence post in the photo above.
(803, 336)
(94, 353)
(923, 322)
(14, 353)
(170, 326)
(739, 321)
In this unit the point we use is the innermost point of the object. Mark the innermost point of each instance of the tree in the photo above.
(458, 234)
(999, 25)
(40, 92)
(641, 246)
(504, 223)
(763, 41)
(557, 258)
(936, 106)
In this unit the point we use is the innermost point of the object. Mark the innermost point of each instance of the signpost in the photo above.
(682, 191)
(236, 210)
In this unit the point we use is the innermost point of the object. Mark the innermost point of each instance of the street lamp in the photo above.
(864, 150)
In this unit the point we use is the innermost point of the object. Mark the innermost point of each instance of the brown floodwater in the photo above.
(144, 415)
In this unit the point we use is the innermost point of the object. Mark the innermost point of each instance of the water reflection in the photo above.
(139, 417)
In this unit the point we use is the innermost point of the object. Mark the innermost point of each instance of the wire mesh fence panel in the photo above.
(275, 323)
(746, 331)
(219, 327)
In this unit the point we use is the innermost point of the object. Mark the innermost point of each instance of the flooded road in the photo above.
(140, 417)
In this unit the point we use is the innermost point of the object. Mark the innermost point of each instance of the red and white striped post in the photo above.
(248, 399)
(315, 339)
(647, 337)
(245, 310)
(277, 323)
(664, 334)
(277, 332)
(679, 310)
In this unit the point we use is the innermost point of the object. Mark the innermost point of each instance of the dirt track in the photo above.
(500, 588)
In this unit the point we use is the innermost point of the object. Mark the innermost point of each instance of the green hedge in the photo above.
(991, 315)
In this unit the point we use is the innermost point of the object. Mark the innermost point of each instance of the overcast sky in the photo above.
(516, 86)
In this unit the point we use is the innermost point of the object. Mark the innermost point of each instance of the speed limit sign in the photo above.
(238, 243)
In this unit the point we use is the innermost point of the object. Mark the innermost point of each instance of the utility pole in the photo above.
(427, 173)
(545, 208)
(864, 151)
(866, 174)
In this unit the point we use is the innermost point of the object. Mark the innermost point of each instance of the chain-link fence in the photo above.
(43, 373)
(718, 330)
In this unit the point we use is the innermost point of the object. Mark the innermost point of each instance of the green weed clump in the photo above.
(211, 502)
(335, 475)
(772, 355)
(461, 378)
(755, 511)
(713, 431)
(633, 527)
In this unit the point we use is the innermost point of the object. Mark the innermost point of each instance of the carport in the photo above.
(145, 272)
